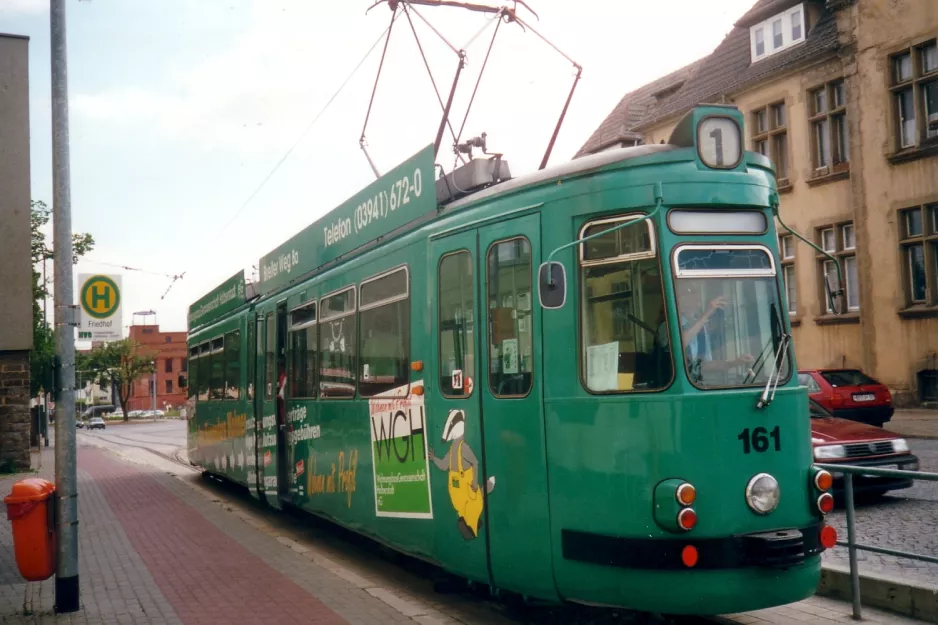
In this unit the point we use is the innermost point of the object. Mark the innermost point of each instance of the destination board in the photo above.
(220, 301)
(402, 195)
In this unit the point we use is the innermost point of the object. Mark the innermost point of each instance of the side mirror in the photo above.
(181, 382)
(835, 294)
(552, 285)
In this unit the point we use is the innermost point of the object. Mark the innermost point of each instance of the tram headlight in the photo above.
(825, 452)
(762, 493)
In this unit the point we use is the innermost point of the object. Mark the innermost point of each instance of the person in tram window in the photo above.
(281, 389)
(695, 335)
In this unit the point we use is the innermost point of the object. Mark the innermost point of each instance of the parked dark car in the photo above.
(840, 441)
(849, 394)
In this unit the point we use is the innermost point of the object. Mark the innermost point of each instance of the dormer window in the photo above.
(787, 29)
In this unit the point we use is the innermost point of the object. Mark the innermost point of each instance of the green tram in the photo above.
(574, 385)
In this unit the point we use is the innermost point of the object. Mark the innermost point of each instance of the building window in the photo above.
(918, 228)
(787, 248)
(788, 29)
(168, 367)
(830, 139)
(169, 339)
(169, 387)
(795, 19)
(915, 80)
(840, 241)
(771, 136)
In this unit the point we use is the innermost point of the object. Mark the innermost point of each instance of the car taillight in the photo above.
(837, 400)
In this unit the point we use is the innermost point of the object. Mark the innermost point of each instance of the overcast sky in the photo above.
(180, 109)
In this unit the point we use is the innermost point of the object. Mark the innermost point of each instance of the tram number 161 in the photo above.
(758, 439)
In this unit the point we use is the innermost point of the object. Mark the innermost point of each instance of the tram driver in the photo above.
(698, 349)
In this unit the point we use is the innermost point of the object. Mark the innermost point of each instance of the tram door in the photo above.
(271, 449)
(454, 408)
(509, 386)
(258, 349)
(283, 460)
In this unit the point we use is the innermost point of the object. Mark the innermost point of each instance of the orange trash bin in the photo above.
(30, 507)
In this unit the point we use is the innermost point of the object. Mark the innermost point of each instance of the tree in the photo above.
(118, 362)
(42, 357)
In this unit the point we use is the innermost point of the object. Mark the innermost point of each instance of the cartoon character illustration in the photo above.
(463, 468)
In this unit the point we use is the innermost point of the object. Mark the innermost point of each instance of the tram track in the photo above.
(124, 441)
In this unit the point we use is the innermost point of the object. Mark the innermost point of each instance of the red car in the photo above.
(839, 441)
(849, 394)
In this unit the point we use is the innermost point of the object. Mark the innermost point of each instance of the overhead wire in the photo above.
(300, 138)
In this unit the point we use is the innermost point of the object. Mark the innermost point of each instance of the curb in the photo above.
(902, 597)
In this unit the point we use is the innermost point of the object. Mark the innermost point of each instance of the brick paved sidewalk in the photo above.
(149, 556)
(153, 549)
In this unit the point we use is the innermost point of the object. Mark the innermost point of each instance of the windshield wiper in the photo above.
(781, 353)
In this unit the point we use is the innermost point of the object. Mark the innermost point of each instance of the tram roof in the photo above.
(575, 167)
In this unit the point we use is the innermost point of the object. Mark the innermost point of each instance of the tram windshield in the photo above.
(730, 316)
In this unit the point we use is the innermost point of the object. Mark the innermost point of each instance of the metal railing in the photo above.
(852, 545)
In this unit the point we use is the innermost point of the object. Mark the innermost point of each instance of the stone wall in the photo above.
(14, 411)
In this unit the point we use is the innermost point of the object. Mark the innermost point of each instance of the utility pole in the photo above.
(66, 502)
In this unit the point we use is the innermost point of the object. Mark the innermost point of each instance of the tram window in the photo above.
(217, 376)
(205, 371)
(385, 334)
(697, 221)
(337, 345)
(303, 351)
(731, 316)
(628, 240)
(270, 357)
(233, 365)
(624, 324)
(511, 355)
(457, 336)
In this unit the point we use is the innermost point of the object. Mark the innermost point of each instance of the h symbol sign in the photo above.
(101, 293)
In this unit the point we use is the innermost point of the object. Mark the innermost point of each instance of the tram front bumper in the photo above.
(777, 549)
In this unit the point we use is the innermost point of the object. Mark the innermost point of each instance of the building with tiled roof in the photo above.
(842, 95)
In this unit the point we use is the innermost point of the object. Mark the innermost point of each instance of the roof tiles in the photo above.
(725, 71)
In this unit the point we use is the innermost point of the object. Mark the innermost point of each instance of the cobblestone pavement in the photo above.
(906, 520)
(914, 423)
(163, 548)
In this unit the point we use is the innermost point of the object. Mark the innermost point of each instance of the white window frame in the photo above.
(767, 29)
(853, 234)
